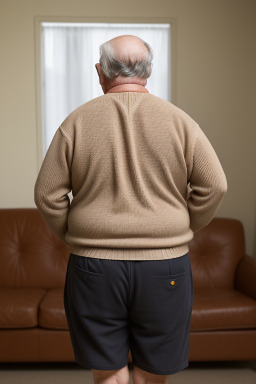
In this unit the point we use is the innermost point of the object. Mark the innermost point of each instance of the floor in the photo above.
(234, 372)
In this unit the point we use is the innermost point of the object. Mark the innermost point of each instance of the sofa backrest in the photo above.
(215, 252)
(30, 254)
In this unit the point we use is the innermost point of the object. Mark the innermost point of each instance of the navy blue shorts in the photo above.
(142, 305)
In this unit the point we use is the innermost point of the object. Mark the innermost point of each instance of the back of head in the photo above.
(126, 56)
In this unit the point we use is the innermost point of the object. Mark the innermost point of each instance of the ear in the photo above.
(101, 75)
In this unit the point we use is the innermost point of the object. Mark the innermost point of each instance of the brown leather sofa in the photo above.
(33, 262)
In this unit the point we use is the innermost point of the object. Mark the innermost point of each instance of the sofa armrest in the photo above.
(245, 280)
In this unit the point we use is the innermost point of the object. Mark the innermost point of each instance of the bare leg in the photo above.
(140, 376)
(117, 376)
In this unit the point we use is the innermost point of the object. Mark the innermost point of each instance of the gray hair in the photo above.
(113, 68)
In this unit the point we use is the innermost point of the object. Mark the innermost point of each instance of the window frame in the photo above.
(38, 54)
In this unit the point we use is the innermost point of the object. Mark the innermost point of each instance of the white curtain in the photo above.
(69, 54)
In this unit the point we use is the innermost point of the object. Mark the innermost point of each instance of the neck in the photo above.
(128, 88)
(126, 84)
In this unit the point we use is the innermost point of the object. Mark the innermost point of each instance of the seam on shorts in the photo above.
(165, 371)
(68, 301)
(87, 364)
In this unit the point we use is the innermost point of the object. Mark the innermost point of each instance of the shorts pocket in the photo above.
(174, 290)
(172, 281)
(172, 268)
(176, 276)
(87, 266)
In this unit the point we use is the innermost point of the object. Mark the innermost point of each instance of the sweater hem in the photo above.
(131, 254)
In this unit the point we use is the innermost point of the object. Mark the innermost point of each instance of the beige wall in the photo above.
(215, 84)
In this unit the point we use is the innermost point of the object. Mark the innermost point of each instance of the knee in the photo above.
(139, 376)
(117, 376)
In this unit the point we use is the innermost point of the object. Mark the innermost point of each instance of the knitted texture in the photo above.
(129, 159)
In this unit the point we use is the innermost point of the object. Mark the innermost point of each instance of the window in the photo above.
(69, 52)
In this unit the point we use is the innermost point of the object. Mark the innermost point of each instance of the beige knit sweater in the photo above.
(129, 159)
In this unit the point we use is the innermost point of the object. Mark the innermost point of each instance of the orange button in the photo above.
(172, 282)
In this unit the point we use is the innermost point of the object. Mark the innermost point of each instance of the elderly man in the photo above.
(130, 158)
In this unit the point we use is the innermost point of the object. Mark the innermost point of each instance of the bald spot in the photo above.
(129, 48)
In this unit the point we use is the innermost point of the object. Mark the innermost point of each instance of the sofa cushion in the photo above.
(19, 307)
(51, 312)
(222, 309)
(30, 254)
(215, 252)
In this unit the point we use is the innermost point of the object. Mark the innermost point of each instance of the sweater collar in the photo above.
(128, 88)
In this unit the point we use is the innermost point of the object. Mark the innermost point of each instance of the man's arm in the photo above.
(207, 181)
(54, 183)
